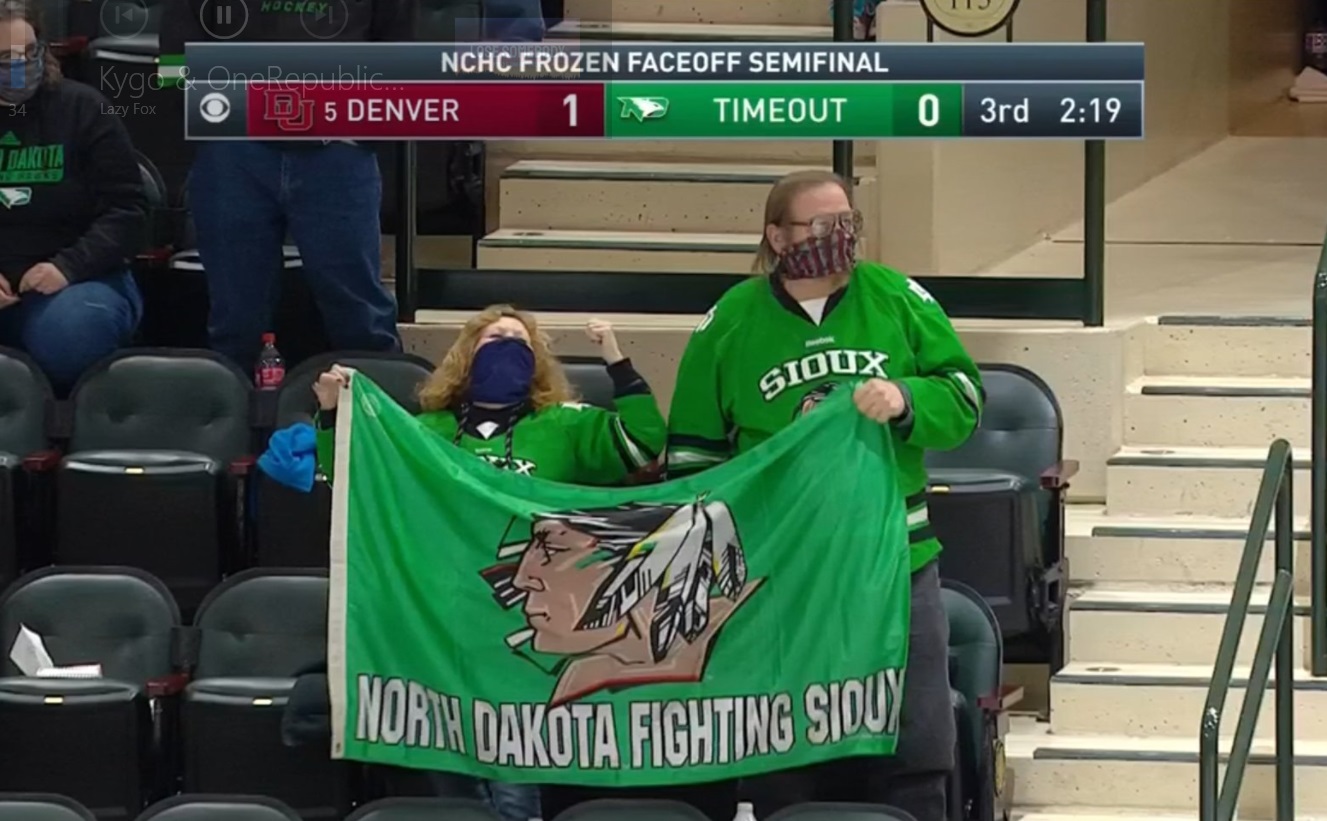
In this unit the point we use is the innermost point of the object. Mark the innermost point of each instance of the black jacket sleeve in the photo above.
(181, 22)
(394, 21)
(119, 231)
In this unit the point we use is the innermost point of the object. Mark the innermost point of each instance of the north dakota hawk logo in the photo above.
(815, 397)
(622, 596)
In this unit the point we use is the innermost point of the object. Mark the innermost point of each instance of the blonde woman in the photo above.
(770, 349)
(501, 394)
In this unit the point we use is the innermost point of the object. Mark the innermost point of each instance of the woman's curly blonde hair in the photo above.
(447, 386)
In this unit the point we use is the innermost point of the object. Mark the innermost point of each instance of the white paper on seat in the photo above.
(71, 671)
(30, 657)
(29, 652)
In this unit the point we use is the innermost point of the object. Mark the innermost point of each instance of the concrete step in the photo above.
(1210, 411)
(792, 152)
(765, 12)
(1132, 774)
(1100, 814)
(1193, 480)
(637, 196)
(655, 32)
(1228, 346)
(1167, 700)
(1196, 550)
(523, 249)
(1163, 625)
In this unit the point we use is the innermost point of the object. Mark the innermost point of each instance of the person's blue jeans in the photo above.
(514, 802)
(513, 21)
(70, 330)
(245, 198)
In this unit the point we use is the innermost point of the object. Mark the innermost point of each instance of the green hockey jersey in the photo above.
(758, 360)
(572, 442)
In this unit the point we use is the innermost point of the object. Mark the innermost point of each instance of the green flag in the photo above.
(753, 617)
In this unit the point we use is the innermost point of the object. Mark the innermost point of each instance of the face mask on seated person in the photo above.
(501, 372)
(20, 79)
(816, 257)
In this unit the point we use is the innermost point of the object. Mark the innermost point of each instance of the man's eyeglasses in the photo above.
(29, 52)
(822, 225)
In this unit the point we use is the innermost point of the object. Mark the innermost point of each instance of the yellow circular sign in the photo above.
(969, 18)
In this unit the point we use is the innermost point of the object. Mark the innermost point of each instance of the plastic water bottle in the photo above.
(746, 811)
(1315, 39)
(270, 370)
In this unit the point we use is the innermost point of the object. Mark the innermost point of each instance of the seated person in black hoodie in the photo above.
(74, 210)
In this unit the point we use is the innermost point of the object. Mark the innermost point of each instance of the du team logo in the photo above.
(289, 110)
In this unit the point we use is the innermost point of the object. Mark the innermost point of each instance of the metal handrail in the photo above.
(842, 11)
(1318, 475)
(1218, 799)
(1094, 199)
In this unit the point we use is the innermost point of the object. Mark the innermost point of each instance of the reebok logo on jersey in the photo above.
(824, 340)
(809, 368)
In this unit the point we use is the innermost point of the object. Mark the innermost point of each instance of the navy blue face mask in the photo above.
(502, 372)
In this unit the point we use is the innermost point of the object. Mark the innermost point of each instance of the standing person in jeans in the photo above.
(767, 352)
(247, 195)
(74, 210)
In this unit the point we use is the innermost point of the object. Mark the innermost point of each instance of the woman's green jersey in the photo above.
(570, 442)
(757, 361)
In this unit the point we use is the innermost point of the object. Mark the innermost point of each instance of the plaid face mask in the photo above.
(817, 257)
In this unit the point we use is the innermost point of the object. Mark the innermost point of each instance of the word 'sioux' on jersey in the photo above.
(561, 60)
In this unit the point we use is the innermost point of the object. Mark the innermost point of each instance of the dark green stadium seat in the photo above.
(292, 528)
(90, 739)
(219, 808)
(609, 809)
(976, 664)
(400, 375)
(997, 505)
(25, 459)
(425, 809)
(840, 812)
(253, 633)
(42, 807)
(159, 442)
(589, 377)
(162, 218)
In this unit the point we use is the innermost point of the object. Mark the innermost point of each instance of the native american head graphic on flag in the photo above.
(623, 596)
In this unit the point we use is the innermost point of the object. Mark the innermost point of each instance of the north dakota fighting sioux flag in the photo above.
(750, 618)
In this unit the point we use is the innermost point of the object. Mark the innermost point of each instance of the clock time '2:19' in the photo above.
(1094, 110)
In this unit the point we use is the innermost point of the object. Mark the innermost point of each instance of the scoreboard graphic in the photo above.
(663, 91)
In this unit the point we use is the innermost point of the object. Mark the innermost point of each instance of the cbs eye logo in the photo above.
(214, 108)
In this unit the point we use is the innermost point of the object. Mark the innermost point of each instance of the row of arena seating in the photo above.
(197, 708)
(150, 464)
(254, 808)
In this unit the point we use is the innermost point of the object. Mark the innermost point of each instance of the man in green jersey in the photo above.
(766, 353)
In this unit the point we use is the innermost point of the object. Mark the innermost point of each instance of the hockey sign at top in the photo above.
(970, 18)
